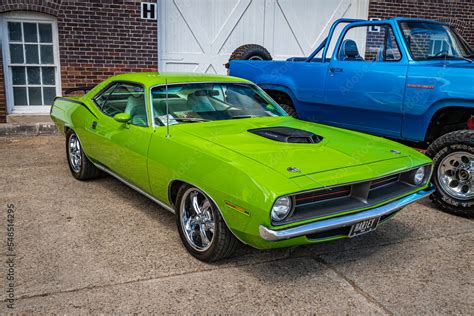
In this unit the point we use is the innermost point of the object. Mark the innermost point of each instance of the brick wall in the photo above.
(459, 13)
(96, 39)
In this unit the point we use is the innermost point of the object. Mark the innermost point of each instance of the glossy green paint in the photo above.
(122, 117)
(226, 161)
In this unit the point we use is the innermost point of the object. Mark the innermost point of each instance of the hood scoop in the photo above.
(287, 135)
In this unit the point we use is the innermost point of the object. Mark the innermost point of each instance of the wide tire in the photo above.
(80, 166)
(289, 109)
(219, 242)
(251, 52)
(453, 173)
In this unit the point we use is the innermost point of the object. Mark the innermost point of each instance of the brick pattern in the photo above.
(459, 13)
(97, 39)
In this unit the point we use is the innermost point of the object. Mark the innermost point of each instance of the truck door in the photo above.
(366, 81)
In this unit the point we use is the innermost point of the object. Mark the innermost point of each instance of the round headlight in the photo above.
(419, 176)
(281, 208)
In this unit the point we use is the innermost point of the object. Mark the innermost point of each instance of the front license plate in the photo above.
(364, 227)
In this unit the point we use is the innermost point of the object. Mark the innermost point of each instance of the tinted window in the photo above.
(124, 98)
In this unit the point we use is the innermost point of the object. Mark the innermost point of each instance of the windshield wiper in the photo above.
(242, 116)
(445, 56)
(189, 119)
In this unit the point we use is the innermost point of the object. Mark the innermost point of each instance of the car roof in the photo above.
(157, 78)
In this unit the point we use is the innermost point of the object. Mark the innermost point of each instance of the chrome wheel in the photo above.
(255, 58)
(197, 221)
(456, 175)
(75, 157)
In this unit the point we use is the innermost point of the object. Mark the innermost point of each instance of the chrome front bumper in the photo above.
(342, 221)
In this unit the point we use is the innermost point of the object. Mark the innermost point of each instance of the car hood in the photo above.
(337, 149)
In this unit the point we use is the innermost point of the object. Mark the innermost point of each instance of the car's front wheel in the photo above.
(201, 226)
(453, 173)
(80, 166)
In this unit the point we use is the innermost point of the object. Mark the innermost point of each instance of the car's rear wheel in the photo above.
(250, 52)
(201, 226)
(80, 166)
(453, 173)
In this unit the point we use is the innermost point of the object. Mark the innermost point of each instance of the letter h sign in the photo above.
(148, 10)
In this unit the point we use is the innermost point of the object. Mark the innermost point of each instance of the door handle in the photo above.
(334, 69)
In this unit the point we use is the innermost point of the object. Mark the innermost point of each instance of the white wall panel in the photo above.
(199, 35)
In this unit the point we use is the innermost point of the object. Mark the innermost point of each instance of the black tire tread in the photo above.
(245, 51)
(88, 170)
(463, 137)
(289, 109)
(225, 241)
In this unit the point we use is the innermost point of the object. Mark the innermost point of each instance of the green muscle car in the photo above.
(232, 165)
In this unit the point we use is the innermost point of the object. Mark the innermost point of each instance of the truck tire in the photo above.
(250, 52)
(289, 109)
(453, 172)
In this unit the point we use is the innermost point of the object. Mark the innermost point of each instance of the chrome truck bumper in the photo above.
(342, 221)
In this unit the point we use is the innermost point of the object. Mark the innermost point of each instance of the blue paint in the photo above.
(395, 99)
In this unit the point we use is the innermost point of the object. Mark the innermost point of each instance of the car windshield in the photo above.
(198, 102)
(428, 40)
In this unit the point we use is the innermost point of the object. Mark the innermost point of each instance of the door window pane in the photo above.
(19, 96)
(34, 94)
(18, 75)
(16, 54)
(48, 95)
(31, 52)
(14, 31)
(45, 33)
(47, 54)
(369, 43)
(48, 75)
(31, 34)
(33, 75)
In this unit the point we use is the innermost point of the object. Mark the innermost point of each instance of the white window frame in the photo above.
(19, 16)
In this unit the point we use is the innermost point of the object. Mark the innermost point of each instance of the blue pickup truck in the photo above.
(407, 79)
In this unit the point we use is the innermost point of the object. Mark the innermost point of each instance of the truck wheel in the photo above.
(289, 109)
(201, 227)
(453, 173)
(251, 52)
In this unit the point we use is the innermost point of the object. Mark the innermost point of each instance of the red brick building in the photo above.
(50, 45)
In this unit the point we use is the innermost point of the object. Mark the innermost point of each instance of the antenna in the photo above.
(167, 109)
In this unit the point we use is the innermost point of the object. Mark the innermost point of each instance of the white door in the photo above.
(200, 35)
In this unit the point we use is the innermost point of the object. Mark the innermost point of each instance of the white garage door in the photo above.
(200, 35)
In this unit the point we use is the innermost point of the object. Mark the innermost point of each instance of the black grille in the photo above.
(349, 197)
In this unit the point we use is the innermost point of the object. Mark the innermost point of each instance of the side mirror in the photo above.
(122, 117)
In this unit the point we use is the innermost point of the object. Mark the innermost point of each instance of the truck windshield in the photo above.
(429, 41)
(199, 102)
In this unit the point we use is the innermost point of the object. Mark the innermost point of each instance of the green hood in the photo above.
(338, 148)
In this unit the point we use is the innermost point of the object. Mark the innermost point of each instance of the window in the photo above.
(431, 41)
(369, 43)
(198, 102)
(31, 62)
(124, 98)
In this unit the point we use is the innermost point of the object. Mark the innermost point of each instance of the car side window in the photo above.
(369, 43)
(124, 98)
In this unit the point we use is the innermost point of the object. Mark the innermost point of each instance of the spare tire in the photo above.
(250, 52)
